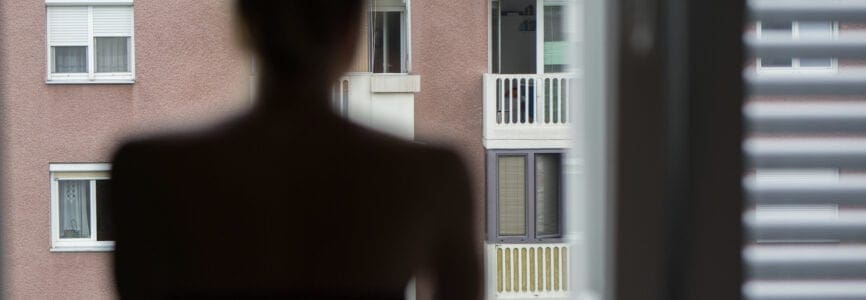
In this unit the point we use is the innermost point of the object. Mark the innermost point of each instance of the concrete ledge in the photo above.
(395, 83)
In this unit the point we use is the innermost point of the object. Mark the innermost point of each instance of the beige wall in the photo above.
(188, 68)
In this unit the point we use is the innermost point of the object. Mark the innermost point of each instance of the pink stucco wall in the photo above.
(188, 69)
(449, 51)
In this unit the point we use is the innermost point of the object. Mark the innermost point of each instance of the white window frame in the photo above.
(405, 33)
(80, 171)
(91, 77)
(795, 67)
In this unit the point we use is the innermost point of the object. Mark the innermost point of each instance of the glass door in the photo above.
(556, 41)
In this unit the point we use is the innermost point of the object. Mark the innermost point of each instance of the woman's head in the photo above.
(311, 38)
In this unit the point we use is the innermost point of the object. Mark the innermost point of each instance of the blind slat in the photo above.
(848, 83)
(847, 227)
(781, 47)
(843, 192)
(808, 10)
(805, 261)
(806, 290)
(806, 152)
(814, 117)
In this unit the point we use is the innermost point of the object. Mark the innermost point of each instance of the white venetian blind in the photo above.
(806, 231)
(112, 21)
(67, 25)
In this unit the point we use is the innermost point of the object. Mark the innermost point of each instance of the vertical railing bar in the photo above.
(561, 91)
(567, 101)
(340, 98)
(511, 101)
(515, 268)
(539, 100)
(522, 269)
(530, 100)
(524, 101)
(505, 279)
(499, 270)
(556, 101)
(557, 267)
(541, 269)
(550, 100)
(514, 99)
(519, 104)
(501, 99)
(507, 97)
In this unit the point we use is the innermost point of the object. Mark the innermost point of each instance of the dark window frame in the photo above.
(531, 235)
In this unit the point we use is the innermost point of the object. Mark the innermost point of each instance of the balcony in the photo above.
(528, 110)
(527, 271)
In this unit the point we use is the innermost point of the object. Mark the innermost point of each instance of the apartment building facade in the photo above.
(490, 78)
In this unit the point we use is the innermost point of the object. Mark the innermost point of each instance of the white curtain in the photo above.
(70, 59)
(112, 55)
(512, 195)
(74, 208)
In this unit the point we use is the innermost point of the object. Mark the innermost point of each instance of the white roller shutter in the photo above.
(112, 21)
(806, 121)
(67, 25)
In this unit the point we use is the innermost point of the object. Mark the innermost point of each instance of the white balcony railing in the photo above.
(527, 107)
(340, 96)
(521, 271)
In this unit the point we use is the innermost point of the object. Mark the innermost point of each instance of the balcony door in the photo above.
(529, 36)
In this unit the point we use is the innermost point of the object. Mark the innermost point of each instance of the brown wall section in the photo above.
(188, 65)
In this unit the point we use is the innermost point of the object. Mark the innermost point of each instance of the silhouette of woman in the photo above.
(289, 200)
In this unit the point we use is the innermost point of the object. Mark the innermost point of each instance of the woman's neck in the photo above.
(293, 93)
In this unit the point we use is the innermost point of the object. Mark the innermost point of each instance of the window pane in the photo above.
(104, 228)
(69, 59)
(74, 200)
(395, 42)
(112, 54)
(547, 193)
(816, 62)
(816, 30)
(512, 195)
(494, 36)
(781, 29)
(377, 19)
(387, 40)
(555, 43)
(776, 62)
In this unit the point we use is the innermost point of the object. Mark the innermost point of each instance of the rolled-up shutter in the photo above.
(807, 121)
(112, 21)
(67, 25)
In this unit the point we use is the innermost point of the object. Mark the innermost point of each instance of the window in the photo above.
(388, 34)
(90, 43)
(525, 195)
(796, 31)
(79, 208)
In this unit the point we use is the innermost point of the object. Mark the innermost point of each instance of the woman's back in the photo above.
(267, 205)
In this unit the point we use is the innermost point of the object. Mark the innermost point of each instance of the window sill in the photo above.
(87, 81)
(79, 249)
(394, 83)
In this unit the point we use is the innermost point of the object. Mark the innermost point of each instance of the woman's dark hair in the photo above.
(299, 35)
